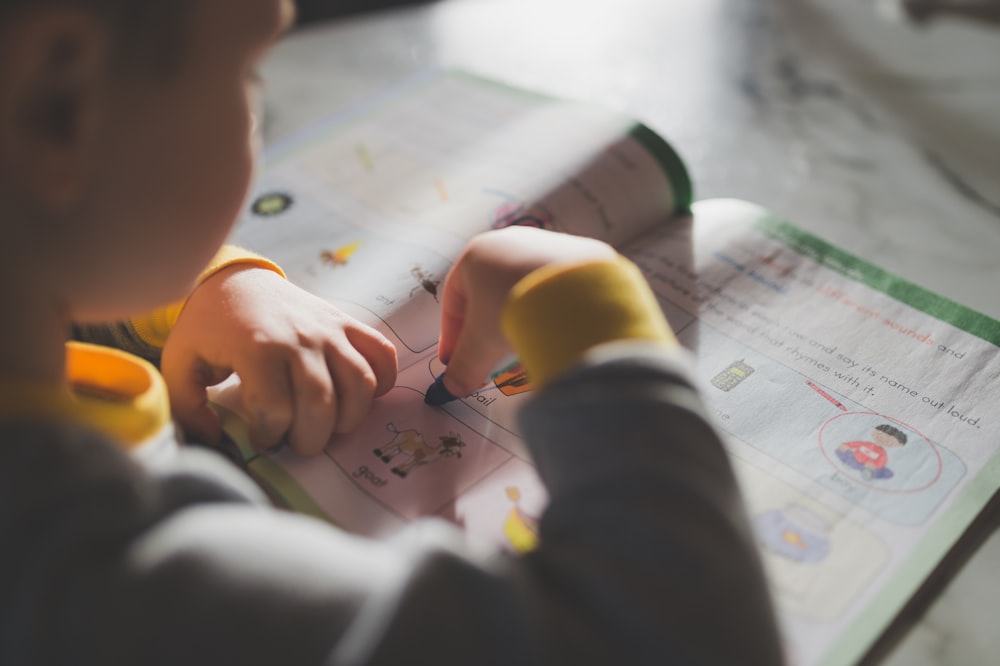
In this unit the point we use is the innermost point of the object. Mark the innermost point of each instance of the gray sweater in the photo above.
(645, 554)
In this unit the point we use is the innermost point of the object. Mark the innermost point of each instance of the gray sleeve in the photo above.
(645, 556)
(643, 490)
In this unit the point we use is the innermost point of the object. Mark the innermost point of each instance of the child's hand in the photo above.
(307, 369)
(476, 289)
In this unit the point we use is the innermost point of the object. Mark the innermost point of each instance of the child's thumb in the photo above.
(471, 362)
(186, 380)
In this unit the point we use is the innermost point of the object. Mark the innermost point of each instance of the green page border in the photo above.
(939, 307)
(671, 163)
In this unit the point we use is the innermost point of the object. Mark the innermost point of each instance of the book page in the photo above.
(370, 211)
(857, 408)
(855, 405)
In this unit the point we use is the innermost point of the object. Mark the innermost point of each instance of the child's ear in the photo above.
(52, 77)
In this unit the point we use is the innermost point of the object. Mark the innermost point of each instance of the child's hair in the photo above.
(149, 35)
(892, 432)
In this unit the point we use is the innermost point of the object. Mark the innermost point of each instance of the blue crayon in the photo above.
(438, 395)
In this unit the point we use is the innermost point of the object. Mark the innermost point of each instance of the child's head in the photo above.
(125, 143)
(886, 435)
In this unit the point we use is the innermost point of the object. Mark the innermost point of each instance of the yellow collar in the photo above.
(109, 390)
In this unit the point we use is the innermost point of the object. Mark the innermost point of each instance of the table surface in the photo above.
(878, 136)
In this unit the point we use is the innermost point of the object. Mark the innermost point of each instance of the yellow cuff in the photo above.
(117, 393)
(154, 327)
(556, 313)
(107, 389)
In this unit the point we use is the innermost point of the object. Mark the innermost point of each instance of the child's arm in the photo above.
(307, 369)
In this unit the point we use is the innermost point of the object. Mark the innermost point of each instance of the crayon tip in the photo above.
(437, 394)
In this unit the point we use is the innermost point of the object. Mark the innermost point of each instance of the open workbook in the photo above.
(855, 406)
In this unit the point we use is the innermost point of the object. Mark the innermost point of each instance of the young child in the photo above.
(125, 154)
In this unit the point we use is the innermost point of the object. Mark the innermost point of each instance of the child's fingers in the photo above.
(315, 406)
(334, 388)
(356, 386)
(474, 356)
(186, 377)
(334, 385)
(470, 343)
(268, 400)
(378, 352)
(453, 306)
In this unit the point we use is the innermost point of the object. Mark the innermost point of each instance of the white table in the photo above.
(880, 137)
